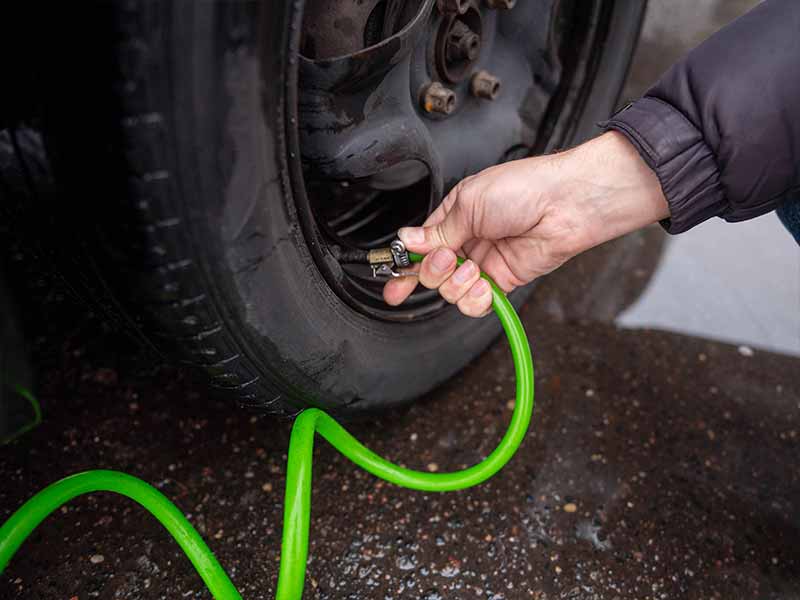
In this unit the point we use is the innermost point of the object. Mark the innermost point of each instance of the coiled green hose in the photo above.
(297, 508)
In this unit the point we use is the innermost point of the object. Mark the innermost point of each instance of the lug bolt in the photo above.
(462, 43)
(484, 85)
(449, 7)
(439, 99)
(501, 4)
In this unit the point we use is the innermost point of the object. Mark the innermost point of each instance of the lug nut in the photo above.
(501, 4)
(450, 7)
(462, 43)
(484, 85)
(439, 99)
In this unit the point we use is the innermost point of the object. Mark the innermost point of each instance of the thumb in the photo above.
(452, 231)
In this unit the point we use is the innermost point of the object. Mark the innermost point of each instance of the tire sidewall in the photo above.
(237, 173)
(233, 139)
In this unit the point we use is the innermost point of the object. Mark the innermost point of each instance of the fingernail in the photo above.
(442, 260)
(464, 273)
(412, 235)
(479, 289)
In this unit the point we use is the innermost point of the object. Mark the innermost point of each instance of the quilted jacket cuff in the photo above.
(675, 149)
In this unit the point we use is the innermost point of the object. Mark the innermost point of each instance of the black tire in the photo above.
(162, 137)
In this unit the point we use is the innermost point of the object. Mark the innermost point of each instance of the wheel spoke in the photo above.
(357, 114)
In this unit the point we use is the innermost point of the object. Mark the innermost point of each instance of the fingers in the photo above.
(460, 285)
(438, 215)
(437, 267)
(477, 302)
(397, 290)
(448, 227)
(477, 250)
(448, 234)
(457, 285)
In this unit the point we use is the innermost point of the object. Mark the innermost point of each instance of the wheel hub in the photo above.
(458, 44)
(400, 99)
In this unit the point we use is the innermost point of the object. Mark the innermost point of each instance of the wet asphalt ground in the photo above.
(658, 466)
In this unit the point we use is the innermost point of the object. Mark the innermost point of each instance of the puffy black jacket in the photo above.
(721, 129)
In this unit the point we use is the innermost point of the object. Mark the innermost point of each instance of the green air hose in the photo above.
(37, 413)
(297, 508)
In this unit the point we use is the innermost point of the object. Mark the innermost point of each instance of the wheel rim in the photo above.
(376, 155)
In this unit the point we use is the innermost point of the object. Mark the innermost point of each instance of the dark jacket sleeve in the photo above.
(721, 129)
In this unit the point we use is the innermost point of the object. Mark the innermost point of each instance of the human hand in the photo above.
(522, 219)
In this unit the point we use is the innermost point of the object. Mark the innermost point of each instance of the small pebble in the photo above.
(96, 559)
(570, 507)
(558, 570)
(589, 393)
(105, 376)
(267, 487)
(746, 351)
(433, 467)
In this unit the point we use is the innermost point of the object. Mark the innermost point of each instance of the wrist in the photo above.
(617, 191)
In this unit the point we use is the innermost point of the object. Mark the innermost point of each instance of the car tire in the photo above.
(166, 128)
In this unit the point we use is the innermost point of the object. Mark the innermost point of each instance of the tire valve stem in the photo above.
(385, 262)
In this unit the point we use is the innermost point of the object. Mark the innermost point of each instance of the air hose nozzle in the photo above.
(385, 262)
